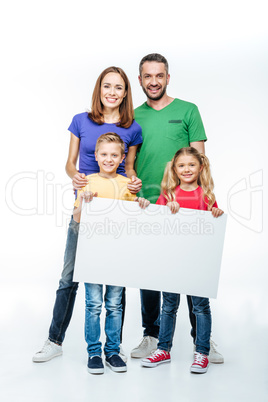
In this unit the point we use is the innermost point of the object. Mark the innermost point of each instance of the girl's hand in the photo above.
(134, 185)
(79, 181)
(143, 203)
(216, 212)
(88, 196)
(174, 206)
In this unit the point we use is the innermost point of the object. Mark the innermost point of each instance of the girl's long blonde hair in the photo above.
(171, 181)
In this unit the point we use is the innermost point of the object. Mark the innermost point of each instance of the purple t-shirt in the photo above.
(88, 132)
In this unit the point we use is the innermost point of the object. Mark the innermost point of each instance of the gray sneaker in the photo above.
(48, 351)
(214, 356)
(122, 354)
(147, 346)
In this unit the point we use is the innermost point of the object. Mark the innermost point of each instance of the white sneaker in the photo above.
(147, 346)
(122, 354)
(214, 356)
(48, 351)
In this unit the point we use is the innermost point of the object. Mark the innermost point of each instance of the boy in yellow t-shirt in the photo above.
(109, 153)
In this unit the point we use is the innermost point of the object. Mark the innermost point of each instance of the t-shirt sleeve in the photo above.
(196, 128)
(215, 205)
(136, 136)
(161, 200)
(74, 126)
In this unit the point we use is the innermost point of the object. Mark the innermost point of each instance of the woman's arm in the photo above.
(79, 180)
(135, 185)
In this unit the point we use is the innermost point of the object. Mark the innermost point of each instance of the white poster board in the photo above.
(121, 244)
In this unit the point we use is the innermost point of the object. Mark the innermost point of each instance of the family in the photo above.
(157, 158)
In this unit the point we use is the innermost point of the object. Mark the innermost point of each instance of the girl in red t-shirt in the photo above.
(187, 183)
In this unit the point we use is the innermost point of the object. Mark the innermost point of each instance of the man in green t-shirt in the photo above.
(168, 124)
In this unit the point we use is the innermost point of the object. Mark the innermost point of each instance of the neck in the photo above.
(111, 116)
(189, 186)
(108, 175)
(161, 103)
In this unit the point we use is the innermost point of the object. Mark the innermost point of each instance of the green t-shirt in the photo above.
(164, 132)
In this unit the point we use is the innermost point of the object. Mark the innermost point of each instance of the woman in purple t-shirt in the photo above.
(111, 111)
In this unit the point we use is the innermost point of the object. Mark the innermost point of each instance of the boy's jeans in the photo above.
(201, 309)
(113, 321)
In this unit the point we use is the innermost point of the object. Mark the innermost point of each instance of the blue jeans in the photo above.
(66, 293)
(113, 321)
(201, 310)
(150, 310)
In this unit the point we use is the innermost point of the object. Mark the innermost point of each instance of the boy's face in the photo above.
(109, 158)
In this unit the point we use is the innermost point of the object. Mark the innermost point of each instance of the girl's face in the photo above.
(113, 91)
(187, 168)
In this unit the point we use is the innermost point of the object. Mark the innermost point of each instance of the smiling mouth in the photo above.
(111, 100)
(153, 89)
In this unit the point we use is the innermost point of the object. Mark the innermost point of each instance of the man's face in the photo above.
(154, 80)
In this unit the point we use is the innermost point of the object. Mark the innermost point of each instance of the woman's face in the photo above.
(113, 91)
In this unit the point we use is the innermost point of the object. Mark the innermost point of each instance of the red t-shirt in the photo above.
(188, 199)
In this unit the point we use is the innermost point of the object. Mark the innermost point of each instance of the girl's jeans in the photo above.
(201, 310)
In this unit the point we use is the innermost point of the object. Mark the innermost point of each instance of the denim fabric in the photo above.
(202, 313)
(66, 293)
(201, 310)
(191, 317)
(171, 302)
(150, 310)
(113, 321)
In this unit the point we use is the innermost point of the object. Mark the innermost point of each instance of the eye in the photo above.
(115, 155)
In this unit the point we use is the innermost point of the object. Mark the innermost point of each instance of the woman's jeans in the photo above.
(113, 321)
(66, 293)
(201, 310)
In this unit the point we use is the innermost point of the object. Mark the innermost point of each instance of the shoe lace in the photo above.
(199, 358)
(157, 354)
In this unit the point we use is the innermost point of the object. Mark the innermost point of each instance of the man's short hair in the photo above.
(153, 57)
(110, 137)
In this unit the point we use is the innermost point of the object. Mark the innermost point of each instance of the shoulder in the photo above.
(135, 126)
(122, 179)
(141, 107)
(182, 103)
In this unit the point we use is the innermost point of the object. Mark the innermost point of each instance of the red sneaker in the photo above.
(200, 364)
(157, 357)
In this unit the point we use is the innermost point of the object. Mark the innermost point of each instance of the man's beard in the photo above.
(155, 98)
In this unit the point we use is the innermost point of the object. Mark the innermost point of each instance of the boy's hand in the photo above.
(143, 203)
(134, 185)
(88, 196)
(174, 206)
(79, 181)
(216, 212)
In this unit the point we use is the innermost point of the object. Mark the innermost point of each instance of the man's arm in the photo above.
(199, 145)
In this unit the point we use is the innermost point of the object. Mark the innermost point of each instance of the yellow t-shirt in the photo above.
(115, 188)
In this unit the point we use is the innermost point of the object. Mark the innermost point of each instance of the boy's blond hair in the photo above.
(110, 137)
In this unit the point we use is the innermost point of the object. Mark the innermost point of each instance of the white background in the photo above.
(52, 54)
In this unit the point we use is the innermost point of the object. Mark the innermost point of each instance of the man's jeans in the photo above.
(66, 293)
(201, 310)
(113, 321)
(150, 310)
